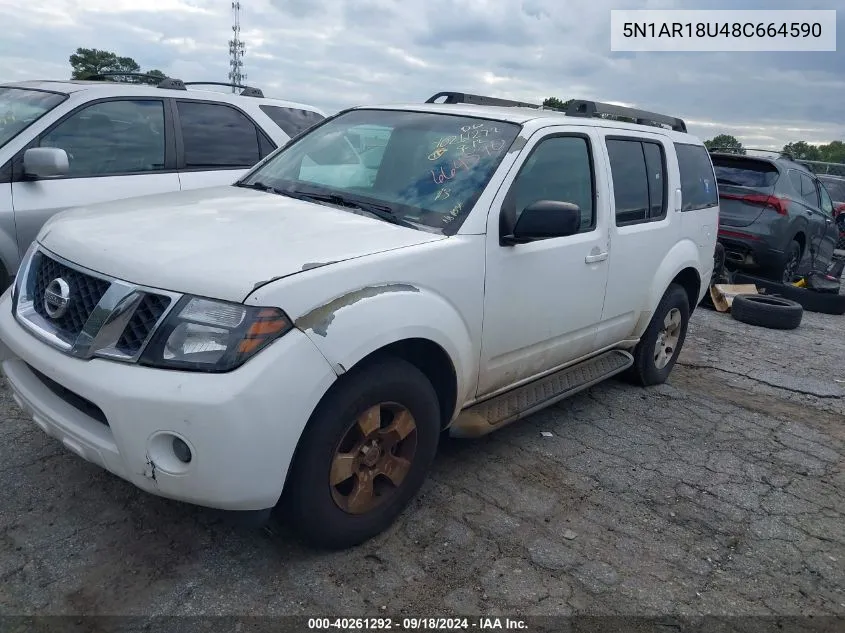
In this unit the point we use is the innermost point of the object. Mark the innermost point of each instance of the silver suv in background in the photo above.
(70, 143)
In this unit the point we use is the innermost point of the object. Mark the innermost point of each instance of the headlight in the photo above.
(213, 336)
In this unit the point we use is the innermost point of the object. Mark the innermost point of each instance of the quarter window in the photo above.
(111, 137)
(827, 203)
(639, 180)
(698, 181)
(217, 136)
(809, 191)
(558, 169)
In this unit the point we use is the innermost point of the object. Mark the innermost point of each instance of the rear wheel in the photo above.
(658, 349)
(792, 258)
(364, 455)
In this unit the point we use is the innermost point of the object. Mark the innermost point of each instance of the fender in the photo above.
(350, 327)
(684, 254)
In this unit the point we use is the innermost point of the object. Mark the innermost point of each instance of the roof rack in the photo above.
(168, 83)
(246, 91)
(581, 108)
(464, 97)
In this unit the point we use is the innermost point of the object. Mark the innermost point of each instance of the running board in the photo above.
(490, 415)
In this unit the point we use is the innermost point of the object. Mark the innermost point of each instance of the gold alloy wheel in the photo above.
(373, 458)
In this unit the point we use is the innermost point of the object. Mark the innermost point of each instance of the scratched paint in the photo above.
(319, 319)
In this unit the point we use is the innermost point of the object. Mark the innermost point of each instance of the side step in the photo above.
(490, 415)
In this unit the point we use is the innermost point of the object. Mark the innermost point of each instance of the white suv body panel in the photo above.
(352, 285)
(26, 205)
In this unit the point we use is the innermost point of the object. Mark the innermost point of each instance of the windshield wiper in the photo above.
(260, 186)
(381, 211)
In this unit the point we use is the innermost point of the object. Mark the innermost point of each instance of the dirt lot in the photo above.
(722, 492)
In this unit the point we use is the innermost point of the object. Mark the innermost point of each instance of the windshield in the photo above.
(423, 168)
(835, 187)
(20, 108)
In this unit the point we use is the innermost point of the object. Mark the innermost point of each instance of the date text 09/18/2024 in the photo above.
(416, 624)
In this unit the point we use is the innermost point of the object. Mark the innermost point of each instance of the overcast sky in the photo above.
(338, 53)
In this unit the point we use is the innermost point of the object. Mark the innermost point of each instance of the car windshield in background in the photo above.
(20, 108)
(745, 173)
(423, 168)
(835, 187)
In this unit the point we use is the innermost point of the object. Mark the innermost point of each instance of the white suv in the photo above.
(300, 340)
(69, 143)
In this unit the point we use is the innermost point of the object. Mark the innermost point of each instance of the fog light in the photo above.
(181, 450)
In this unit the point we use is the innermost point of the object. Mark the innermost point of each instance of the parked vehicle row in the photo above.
(70, 143)
(300, 340)
(776, 216)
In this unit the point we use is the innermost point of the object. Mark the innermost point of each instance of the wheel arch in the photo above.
(412, 323)
(681, 265)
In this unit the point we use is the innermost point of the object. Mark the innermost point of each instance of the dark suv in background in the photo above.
(776, 216)
(835, 186)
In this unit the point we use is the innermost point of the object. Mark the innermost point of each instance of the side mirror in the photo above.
(45, 162)
(544, 219)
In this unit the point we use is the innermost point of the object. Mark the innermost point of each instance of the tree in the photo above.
(725, 141)
(557, 104)
(802, 150)
(155, 76)
(833, 152)
(91, 61)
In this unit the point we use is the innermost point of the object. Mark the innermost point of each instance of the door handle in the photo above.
(592, 259)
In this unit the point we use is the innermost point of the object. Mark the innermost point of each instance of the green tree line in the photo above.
(833, 152)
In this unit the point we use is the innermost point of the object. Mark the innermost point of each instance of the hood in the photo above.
(220, 242)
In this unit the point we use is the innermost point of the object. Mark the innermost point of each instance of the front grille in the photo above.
(85, 293)
(141, 324)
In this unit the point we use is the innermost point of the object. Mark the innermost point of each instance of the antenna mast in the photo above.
(236, 49)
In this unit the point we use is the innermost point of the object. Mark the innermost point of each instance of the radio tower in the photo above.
(236, 49)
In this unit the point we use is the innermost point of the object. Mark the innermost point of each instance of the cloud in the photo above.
(338, 53)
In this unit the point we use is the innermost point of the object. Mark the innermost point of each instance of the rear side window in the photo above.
(217, 136)
(698, 180)
(835, 187)
(292, 120)
(755, 174)
(638, 169)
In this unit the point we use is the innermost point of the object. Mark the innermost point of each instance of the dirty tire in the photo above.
(775, 313)
(791, 261)
(310, 504)
(645, 370)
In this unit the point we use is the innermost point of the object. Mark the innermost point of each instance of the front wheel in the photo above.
(364, 455)
(658, 349)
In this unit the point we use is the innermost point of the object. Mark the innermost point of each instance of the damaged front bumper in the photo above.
(217, 440)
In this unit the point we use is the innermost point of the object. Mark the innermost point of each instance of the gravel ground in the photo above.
(721, 492)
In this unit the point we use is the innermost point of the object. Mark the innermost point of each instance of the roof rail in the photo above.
(581, 108)
(247, 91)
(168, 83)
(464, 97)
(736, 150)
